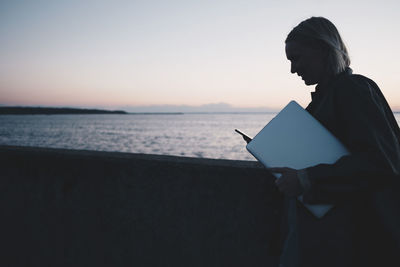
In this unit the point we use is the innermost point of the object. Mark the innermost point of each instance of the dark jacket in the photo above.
(363, 228)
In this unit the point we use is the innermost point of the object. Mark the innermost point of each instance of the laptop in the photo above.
(295, 139)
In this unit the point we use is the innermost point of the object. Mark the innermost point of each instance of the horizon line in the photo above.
(249, 110)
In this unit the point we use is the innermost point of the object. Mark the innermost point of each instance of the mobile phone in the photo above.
(245, 136)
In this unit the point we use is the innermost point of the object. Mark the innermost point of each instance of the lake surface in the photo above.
(191, 135)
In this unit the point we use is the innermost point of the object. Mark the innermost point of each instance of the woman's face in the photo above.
(306, 61)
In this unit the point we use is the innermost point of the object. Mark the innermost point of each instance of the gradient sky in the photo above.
(117, 53)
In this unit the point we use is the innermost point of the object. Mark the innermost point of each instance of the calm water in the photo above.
(192, 135)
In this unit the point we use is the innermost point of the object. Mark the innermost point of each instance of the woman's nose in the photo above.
(293, 68)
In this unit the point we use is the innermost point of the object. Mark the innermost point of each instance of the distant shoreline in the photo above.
(54, 111)
(82, 111)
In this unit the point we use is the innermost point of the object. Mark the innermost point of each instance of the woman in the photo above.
(362, 229)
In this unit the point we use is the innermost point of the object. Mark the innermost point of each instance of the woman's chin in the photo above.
(308, 82)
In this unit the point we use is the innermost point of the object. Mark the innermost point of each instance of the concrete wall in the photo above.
(85, 208)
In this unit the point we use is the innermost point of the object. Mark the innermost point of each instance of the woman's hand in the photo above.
(289, 183)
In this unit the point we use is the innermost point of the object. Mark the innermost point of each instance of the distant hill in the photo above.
(207, 108)
(53, 111)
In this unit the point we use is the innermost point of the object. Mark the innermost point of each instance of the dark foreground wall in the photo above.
(85, 208)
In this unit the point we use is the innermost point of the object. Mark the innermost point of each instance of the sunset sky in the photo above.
(116, 53)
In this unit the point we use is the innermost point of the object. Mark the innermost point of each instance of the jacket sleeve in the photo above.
(363, 126)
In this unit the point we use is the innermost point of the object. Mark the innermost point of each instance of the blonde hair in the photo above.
(319, 31)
